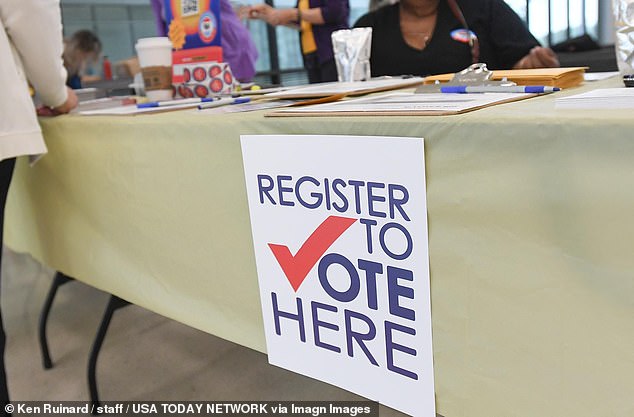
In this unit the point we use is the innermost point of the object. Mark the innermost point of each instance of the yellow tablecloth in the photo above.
(531, 238)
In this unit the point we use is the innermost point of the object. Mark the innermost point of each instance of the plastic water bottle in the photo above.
(107, 68)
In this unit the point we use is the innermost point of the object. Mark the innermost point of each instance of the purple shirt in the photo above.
(238, 48)
(335, 14)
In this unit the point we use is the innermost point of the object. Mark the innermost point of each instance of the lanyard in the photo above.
(472, 38)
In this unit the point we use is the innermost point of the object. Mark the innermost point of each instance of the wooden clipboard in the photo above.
(412, 105)
(347, 88)
(554, 77)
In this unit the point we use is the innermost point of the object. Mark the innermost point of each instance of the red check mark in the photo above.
(297, 267)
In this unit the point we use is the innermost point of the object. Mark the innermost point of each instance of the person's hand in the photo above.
(70, 103)
(262, 12)
(243, 12)
(538, 57)
(270, 15)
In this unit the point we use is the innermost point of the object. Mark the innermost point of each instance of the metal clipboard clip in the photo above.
(474, 75)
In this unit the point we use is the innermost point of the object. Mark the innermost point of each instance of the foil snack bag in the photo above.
(624, 34)
(352, 53)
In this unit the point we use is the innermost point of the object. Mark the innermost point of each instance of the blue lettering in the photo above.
(337, 183)
(368, 231)
(299, 317)
(318, 197)
(334, 258)
(395, 291)
(327, 193)
(375, 198)
(371, 269)
(281, 189)
(359, 337)
(331, 194)
(391, 346)
(357, 197)
(318, 323)
(265, 190)
(408, 237)
(397, 203)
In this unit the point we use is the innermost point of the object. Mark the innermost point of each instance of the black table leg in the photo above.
(114, 304)
(59, 280)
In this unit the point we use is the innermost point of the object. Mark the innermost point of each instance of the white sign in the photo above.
(340, 234)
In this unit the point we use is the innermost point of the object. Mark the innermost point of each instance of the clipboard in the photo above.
(348, 88)
(553, 77)
(403, 104)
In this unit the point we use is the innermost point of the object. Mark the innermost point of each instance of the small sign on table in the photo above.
(340, 235)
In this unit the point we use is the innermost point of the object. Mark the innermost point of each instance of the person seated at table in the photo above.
(424, 37)
(238, 48)
(81, 52)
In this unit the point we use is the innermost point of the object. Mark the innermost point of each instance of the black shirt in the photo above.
(503, 38)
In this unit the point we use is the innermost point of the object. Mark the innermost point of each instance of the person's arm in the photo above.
(331, 12)
(157, 10)
(35, 28)
(271, 15)
(239, 50)
(264, 12)
(313, 16)
(538, 57)
(515, 46)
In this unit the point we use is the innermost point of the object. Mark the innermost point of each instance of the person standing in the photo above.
(317, 20)
(31, 48)
(238, 48)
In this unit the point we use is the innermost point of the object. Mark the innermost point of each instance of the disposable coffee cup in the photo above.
(155, 59)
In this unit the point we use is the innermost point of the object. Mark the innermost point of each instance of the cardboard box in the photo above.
(193, 23)
(206, 79)
(181, 59)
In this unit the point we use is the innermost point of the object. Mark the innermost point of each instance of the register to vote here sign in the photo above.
(340, 234)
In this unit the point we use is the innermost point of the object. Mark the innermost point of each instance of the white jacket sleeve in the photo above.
(35, 30)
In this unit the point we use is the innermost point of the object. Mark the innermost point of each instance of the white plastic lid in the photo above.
(159, 41)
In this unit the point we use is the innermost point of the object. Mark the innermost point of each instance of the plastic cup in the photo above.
(155, 59)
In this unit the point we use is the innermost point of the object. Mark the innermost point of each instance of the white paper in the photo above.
(602, 98)
(347, 87)
(598, 76)
(245, 107)
(292, 193)
(409, 103)
(131, 110)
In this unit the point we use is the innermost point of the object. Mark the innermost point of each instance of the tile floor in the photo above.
(145, 356)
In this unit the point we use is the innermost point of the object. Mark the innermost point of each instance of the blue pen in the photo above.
(223, 101)
(462, 89)
(174, 102)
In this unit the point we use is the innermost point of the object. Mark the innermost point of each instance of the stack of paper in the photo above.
(404, 104)
(603, 98)
(554, 77)
(133, 110)
(598, 76)
(348, 88)
(104, 103)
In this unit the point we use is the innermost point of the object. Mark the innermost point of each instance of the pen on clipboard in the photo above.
(465, 89)
(174, 102)
(223, 101)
